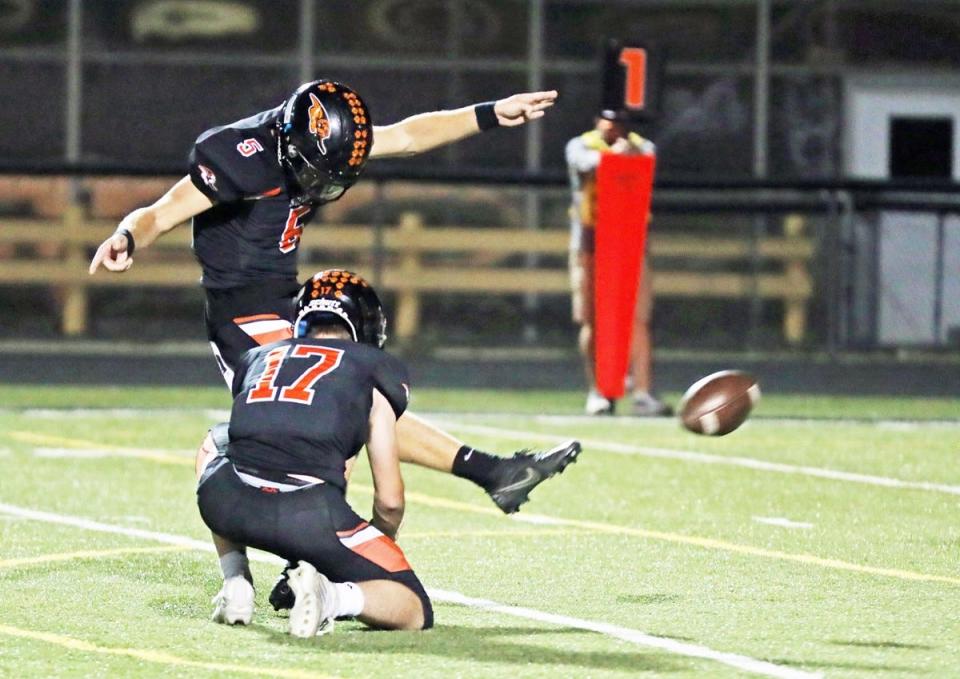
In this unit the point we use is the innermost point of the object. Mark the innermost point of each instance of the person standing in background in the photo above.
(583, 153)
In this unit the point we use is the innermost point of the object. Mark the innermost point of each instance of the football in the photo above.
(719, 403)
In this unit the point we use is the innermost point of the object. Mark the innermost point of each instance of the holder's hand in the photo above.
(112, 254)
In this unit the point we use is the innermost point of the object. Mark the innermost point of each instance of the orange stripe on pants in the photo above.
(384, 552)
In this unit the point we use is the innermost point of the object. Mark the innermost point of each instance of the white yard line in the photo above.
(892, 423)
(782, 522)
(707, 458)
(216, 414)
(619, 448)
(221, 414)
(70, 453)
(637, 637)
(88, 524)
(741, 662)
(71, 413)
(538, 519)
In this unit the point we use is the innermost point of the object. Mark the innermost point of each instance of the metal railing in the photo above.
(738, 243)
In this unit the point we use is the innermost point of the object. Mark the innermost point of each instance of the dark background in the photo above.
(154, 74)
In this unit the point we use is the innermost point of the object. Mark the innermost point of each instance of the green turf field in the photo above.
(796, 546)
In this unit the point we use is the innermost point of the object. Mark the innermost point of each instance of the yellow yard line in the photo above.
(88, 554)
(80, 444)
(159, 657)
(626, 634)
(678, 538)
(596, 526)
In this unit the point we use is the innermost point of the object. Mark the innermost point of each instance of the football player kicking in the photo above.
(253, 186)
(302, 409)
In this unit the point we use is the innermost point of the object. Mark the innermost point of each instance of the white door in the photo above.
(917, 253)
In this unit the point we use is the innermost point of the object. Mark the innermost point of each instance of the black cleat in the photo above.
(282, 597)
(525, 471)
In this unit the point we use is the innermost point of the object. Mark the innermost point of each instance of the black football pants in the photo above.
(240, 319)
(314, 524)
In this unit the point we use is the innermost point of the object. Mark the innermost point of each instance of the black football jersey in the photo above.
(251, 233)
(302, 406)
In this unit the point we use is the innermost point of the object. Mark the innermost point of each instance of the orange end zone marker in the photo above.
(624, 191)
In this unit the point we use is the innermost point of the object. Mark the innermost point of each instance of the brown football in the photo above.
(719, 403)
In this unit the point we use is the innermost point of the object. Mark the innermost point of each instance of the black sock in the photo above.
(477, 466)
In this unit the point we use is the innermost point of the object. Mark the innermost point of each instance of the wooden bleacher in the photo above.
(411, 266)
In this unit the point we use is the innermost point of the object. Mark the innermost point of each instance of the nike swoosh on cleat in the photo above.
(532, 478)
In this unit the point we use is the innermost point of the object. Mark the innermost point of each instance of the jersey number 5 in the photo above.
(293, 229)
(326, 360)
(248, 147)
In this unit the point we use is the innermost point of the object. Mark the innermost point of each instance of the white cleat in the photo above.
(597, 405)
(234, 602)
(316, 602)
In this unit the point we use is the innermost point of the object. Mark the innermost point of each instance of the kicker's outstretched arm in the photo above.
(427, 131)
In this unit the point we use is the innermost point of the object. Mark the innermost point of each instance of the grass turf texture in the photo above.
(670, 547)
(479, 400)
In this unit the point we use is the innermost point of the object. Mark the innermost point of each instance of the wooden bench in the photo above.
(415, 259)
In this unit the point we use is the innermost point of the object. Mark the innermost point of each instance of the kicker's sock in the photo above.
(235, 563)
(477, 466)
(350, 599)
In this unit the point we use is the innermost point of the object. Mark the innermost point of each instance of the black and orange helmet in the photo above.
(337, 294)
(325, 137)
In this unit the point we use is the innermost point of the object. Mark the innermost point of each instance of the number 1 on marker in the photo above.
(634, 61)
